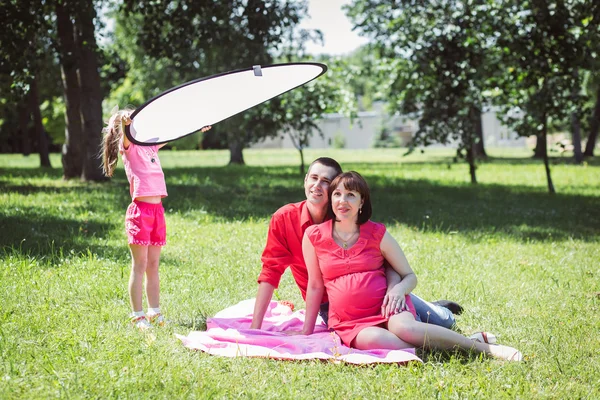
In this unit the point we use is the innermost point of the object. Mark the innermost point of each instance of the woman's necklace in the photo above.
(343, 240)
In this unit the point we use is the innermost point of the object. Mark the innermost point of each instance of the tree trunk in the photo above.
(25, 137)
(40, 132)
(475, 120)
(91, 92)
(301, 150)
(576, 124)
(479, 148)
(235, 152)
(594, 126)
(72, 157)
(546, 163)
(576, 137)
(541, 146)
(471, 161)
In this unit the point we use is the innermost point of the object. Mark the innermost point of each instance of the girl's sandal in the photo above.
(157, 319)
(140, 322)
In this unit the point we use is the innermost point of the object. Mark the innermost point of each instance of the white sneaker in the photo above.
(141, 322)
(484, 337)
(505, 352)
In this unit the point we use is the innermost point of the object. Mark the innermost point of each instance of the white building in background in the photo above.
(362, 133)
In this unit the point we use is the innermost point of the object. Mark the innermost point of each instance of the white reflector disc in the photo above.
(187, 108)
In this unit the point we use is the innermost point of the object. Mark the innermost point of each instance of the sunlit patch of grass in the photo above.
(522, 263)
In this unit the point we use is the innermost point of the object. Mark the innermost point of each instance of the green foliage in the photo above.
(27, 53)
(190, 142)
(207, 37)
(448, 61)
(53, 118)
(520, 262)
(301, 108)
(24, 29)
(386, 139)
(368, 76)
(544, 45)
(434, 63)
(339, 141)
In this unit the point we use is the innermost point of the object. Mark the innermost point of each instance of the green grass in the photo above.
(523, 263)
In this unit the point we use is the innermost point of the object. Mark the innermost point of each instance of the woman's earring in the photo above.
(360, 210)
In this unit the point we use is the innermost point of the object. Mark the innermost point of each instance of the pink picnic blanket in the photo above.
(228, 334)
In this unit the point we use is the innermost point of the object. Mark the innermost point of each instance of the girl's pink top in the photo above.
(142, 166)
(354, 278)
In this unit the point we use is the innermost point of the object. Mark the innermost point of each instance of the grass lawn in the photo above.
(523, 263)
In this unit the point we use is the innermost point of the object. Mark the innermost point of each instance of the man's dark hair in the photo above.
(328, 162)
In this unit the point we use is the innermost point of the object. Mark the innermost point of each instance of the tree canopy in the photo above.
(443, 63)
(446, 62)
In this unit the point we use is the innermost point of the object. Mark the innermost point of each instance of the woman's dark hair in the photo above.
(352, 180)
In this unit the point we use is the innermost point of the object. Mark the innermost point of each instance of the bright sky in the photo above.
(328, 16)
(325, 15)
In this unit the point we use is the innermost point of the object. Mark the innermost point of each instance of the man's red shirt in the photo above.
(284, 246)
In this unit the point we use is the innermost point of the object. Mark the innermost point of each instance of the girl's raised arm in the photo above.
(125, 120)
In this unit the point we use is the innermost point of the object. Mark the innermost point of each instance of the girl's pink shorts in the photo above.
(145, 224)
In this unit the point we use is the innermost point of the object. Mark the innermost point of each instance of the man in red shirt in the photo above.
(284, 249)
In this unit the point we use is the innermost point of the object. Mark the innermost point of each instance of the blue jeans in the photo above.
(324, 312)
(426, 312)
(432, 314)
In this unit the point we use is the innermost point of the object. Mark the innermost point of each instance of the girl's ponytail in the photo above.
(111, 136)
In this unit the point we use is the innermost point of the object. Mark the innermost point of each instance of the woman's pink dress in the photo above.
(354, 278)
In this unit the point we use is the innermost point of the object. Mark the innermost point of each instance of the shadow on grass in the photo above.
(553, 160)
(519, 211)
(53, 173)
(483, 209)
(445, 356)
(195, 323)
(446, 160)
(53, 238)
(238, 193)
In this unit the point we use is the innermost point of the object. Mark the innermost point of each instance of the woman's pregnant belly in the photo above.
(357, 295)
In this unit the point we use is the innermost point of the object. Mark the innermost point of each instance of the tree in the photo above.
(438, 59)
(72, 149)
(363, 78)
(594, 125)
(23, 55)
(91, 93)
(590, 39)
(31, 32)
(584, 30)
(301, 108)
(40, 133)
(541, 55)
(207, 37)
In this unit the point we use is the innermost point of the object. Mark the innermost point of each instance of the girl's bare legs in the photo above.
(426, 335)
(375, 337)
(139, 261)
(152, 278)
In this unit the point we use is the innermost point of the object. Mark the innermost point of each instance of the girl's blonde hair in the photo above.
(111, 136)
